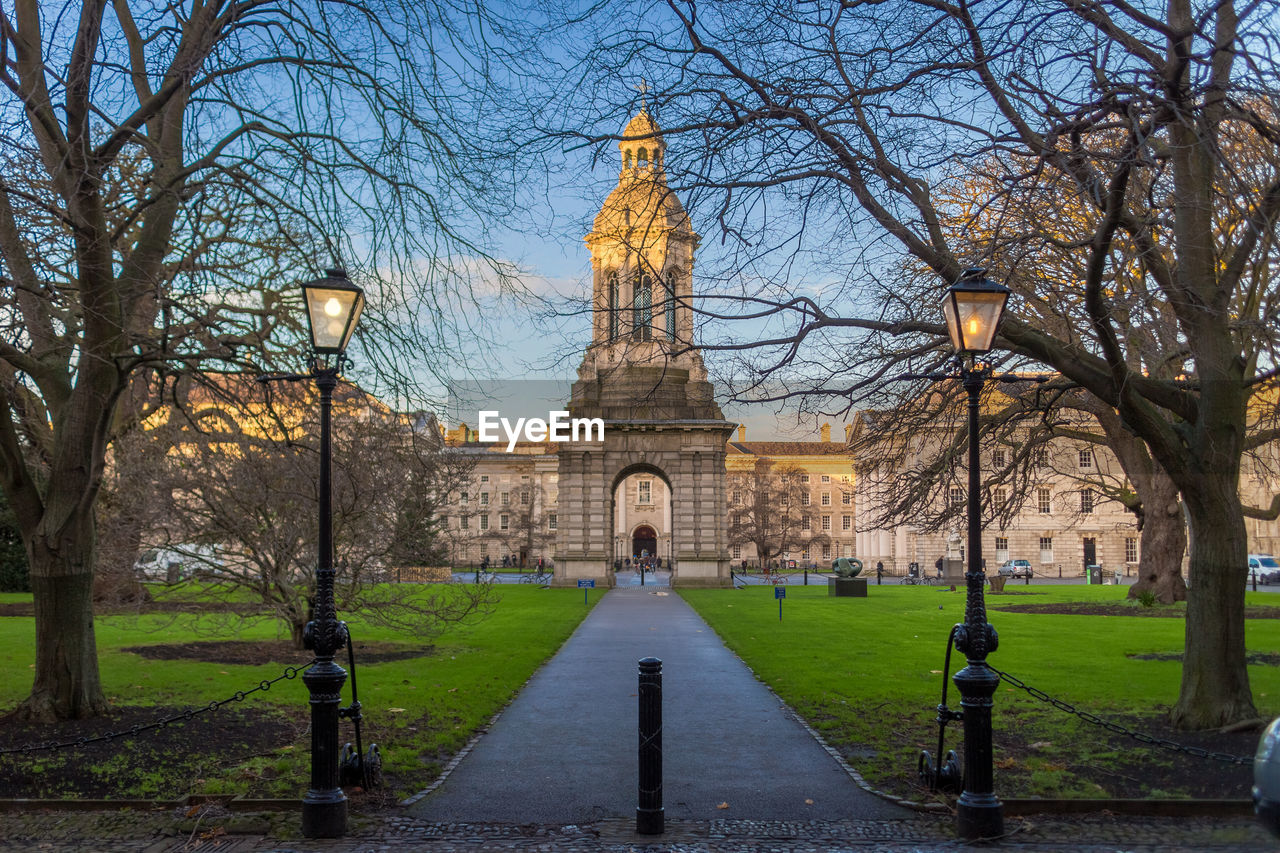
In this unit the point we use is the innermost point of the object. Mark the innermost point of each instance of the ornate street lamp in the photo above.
(973, 307)
(333, 307)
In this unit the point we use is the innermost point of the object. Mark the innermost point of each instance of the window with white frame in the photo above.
(1046, 549)
(826, 523)
(737, 552)
(464, 522)
(1130, 550)
(1086, 459)
(506, 499)
(1041, 457)
(1002, 548)
(645, 494)
(806, 523)
(737, 498)
(826, 478)
(826, 551)
(826, 499)
(551, 521)
(484, 478)
(846, 498)
(997, 458)
(524, 497)
(484, 522)
(804, 554)
(504, 522)
(957, 496)
(846, 522)
(466, 498)
(998, 498)
(804, 499)
(484, 499)
(1042, 501)
(1086, 500)
(804, 478)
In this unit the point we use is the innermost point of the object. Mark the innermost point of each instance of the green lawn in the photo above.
(421, 710)
(866, 673)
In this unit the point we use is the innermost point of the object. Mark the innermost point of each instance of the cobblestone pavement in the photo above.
(213, 829)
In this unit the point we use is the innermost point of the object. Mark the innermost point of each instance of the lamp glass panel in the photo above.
(973, 317)
(333, 313)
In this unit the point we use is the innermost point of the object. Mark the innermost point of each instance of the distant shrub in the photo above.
(1147, 598)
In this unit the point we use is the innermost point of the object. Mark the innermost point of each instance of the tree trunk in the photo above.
(1215, 681)
(1164, 542)
(295, 634)
(67, 685)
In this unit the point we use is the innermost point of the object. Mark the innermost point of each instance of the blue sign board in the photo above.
(586, 583)
(779, 592)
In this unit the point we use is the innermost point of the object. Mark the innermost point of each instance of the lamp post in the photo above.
(973, 307)
(333, 307)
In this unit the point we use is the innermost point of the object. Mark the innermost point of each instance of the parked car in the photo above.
(1016, 569)
(1266, 566)
(175, 563)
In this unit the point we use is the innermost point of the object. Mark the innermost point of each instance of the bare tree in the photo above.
(768, 508)
(167, 169)
(244, 482)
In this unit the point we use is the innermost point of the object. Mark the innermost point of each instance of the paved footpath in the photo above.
(565, 750)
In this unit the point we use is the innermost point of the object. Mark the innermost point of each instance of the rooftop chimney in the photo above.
(826, 432)
(742, 432)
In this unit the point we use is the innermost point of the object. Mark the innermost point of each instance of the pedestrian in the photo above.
(879, 570)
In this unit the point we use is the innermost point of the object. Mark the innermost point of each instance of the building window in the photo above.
(1002, 548)
(957, 497)
(524, 497)
(737, 552)
(846, 522)
(848, 550)
(671, 306)
(465, 522)
(806, 523)
(826, 523)
(1086, 500)
(504, 522)
(847, 498)
(466, 498)
(484, 499)
(804, 499)
(613, 307)
(997, 458)
(805, 554)
(826, 478)
(737, 498)
(845, 478)
(1046, 549)
(551, 521)
(826, 551)
(645, 493)
(998, 498)
(1041, 457)
(484, 478)
(804, 478)
(1130, 550)
(1086, 458)
(484, 522)
(642, 314)
(826, 499)
(1042, 501)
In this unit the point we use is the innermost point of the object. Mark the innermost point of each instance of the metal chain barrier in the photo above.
(289, 673)
(1116, 728)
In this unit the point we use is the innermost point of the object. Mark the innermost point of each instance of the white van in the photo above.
(1266, 567)
(175, 563)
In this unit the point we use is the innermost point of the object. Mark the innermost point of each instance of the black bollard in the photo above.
(650, 819)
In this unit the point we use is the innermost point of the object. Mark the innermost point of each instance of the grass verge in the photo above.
(867, 674)
(420, 709)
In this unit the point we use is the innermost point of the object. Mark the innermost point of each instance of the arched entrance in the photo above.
(644, 541)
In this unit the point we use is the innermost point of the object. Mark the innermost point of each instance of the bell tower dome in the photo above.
(642, 252)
